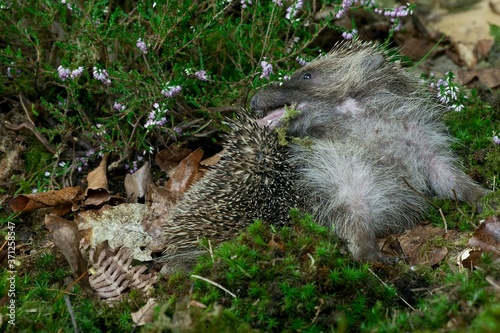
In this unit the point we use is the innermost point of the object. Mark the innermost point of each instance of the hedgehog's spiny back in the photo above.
(254, 179)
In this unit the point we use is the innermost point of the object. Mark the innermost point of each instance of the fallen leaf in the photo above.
(66, 237)
(186, 173)
(415, 245)
(121, 225)
(487, 236)
(145, 314)
(489, 77)
(56, 198)
(137, 184)
(97, 191)
(212, 160)
(169, 158)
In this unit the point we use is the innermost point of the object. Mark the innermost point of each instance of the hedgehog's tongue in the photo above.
(272, 119)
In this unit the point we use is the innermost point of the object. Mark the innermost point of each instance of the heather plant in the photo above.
(135, 76)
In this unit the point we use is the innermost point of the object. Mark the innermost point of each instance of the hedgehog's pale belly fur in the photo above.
(377, 141)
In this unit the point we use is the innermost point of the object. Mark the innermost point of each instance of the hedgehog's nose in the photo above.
(254, 102)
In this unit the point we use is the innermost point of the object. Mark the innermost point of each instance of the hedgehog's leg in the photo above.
(350, 195)
(447, 180)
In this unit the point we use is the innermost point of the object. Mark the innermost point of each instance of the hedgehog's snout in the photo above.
(254, 102)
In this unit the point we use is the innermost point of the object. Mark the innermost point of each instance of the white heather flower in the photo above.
(496, 140)
(47, 174)
(141, 45)
(278, 2)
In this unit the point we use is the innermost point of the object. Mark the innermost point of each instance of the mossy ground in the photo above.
(296, 278)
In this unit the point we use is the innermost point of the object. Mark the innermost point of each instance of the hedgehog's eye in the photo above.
(307, 76)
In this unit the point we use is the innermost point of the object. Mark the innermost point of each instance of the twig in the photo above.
(213, 283)
(71, 313)
(385, 284)
(32, 128)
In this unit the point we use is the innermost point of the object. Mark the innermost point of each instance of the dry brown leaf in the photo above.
(489, 77)
(121, 225)
(414, 244)
(483, 48)
(186, 173)
(56, 198)
(487, 236)
(212, 160)
(145, 314)
(416, 48)
(97, 191)
(67, 238)
(161, 205)
(169, 158)
(137, 184)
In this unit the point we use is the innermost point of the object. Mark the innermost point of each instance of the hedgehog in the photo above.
(378, 145)
(255, 179)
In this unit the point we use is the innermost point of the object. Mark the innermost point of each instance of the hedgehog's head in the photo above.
(332, 86)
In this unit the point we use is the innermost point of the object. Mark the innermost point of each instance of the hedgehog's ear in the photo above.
(373, 61)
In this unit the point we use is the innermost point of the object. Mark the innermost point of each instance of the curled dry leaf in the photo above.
(56, 198)
(145, 314)
(186, 173)
(67, 238)
(137, 184)
(113, 275)
(97, 191)
(486, 239)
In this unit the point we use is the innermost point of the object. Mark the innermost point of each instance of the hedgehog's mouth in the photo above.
(272, 119)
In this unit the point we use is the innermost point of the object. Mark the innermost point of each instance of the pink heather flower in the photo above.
(142, 46)
(496, 140)
(101, 75)
(64, 73)
(201, 75)
(346, 4)
(278, 2)
(118, 106)
(350, 34)
(76, 72)
(302, 62)
(157, 117)
(267, 69)
(245, 3)
(292, 11)
(171, 91)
